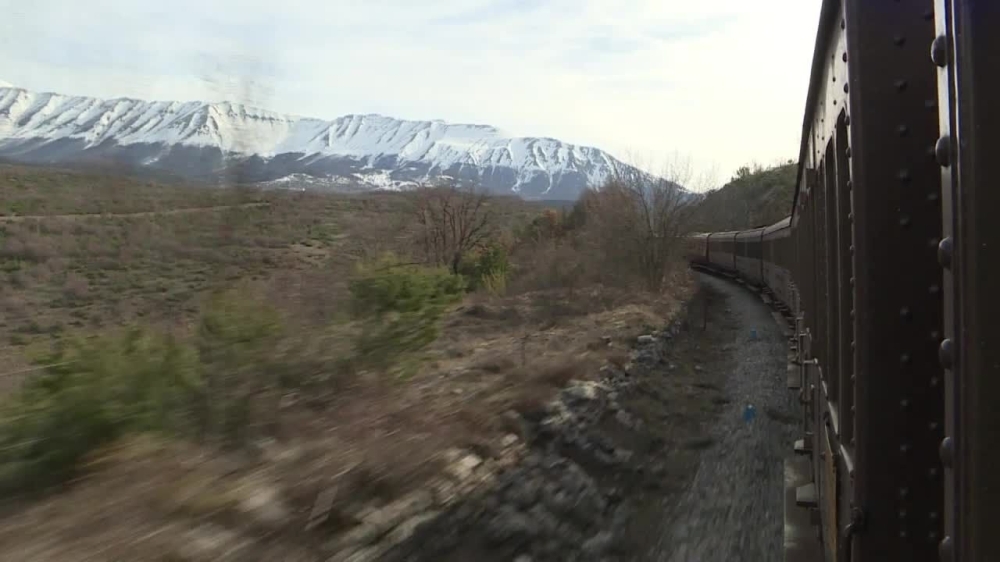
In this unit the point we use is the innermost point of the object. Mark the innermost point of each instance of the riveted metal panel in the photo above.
(845, 273)
(966, 51)
(893, 127)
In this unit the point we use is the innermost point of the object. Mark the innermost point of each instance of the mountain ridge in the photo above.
(217, 140)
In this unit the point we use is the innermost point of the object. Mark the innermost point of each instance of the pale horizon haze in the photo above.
(718, 82)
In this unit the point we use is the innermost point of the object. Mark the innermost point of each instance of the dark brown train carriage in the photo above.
(776, 260)
(748, 255)
(722, 251)
(867, 207)
(966, 51)
(696, 248)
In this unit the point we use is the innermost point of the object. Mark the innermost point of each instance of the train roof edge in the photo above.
(828, 13)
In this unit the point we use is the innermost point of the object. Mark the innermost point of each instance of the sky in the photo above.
(713, 83)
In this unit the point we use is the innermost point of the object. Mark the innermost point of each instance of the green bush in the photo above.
(487, 269)
(95, 391)
(237, 338)
(400, 307)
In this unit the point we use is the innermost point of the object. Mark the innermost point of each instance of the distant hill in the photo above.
(755, 196)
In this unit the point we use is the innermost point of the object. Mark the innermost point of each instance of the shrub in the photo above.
(94, 392)
(400, 307)
(487, 269)
(237, 336)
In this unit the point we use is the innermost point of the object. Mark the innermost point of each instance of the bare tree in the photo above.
(452, 220)
(637, 220)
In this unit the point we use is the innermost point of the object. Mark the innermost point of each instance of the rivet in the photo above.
(898, 40)
(904, 221)
(946, 549)
(944, 252)
(903, 175)
(844, 56)
(834, 102)
(848, 152)
(852, 279)
(935, 335)
(933, 196)
(847, 118)
(905, 313)
(852, 313)
(900, 85)
(843, 24)
(934, 381)
(946, 353)
(902, 534)
(834, 78)
(853, 378)
(934, 289)
(902, 514)
(853, 344)
(904, 448)
(942, 151)
(947, 452)
(939, 51)
(904, 359)
(903, 492)
(849, 184)
(932, 535)
(933, 426)
(904, 403)
(852, 248)
(933, 515)
(930, 104)
(903, 130)
(932, 473)
(850, 216)
(846, 88)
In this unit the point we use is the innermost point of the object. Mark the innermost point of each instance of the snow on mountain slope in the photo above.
(221, 139)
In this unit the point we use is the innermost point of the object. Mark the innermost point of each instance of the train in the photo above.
(886, 268)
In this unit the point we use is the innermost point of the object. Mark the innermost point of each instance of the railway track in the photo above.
(884, 267)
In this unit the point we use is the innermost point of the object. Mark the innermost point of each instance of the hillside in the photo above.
(231, 142)
(756, 196)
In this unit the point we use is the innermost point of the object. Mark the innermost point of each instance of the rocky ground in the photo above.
(656, 461)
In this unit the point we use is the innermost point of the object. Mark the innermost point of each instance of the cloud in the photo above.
(721, 80)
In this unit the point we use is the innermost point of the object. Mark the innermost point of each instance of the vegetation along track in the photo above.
(658, 463)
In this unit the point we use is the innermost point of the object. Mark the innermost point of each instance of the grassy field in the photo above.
(138, 262)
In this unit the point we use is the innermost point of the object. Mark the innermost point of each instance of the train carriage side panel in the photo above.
(777, 273)
(722, 251)
(748, 255)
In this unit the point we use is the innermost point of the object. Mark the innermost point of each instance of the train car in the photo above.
(722, 251)
(886, 264)
(965, 52)
(748, 255)
(776, 257)
(695, 248)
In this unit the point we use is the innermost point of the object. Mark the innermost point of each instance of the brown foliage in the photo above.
(452, 220)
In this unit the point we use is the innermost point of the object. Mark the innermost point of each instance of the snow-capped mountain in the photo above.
(229, 141)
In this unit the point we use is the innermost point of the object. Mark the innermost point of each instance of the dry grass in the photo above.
(370, 437)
